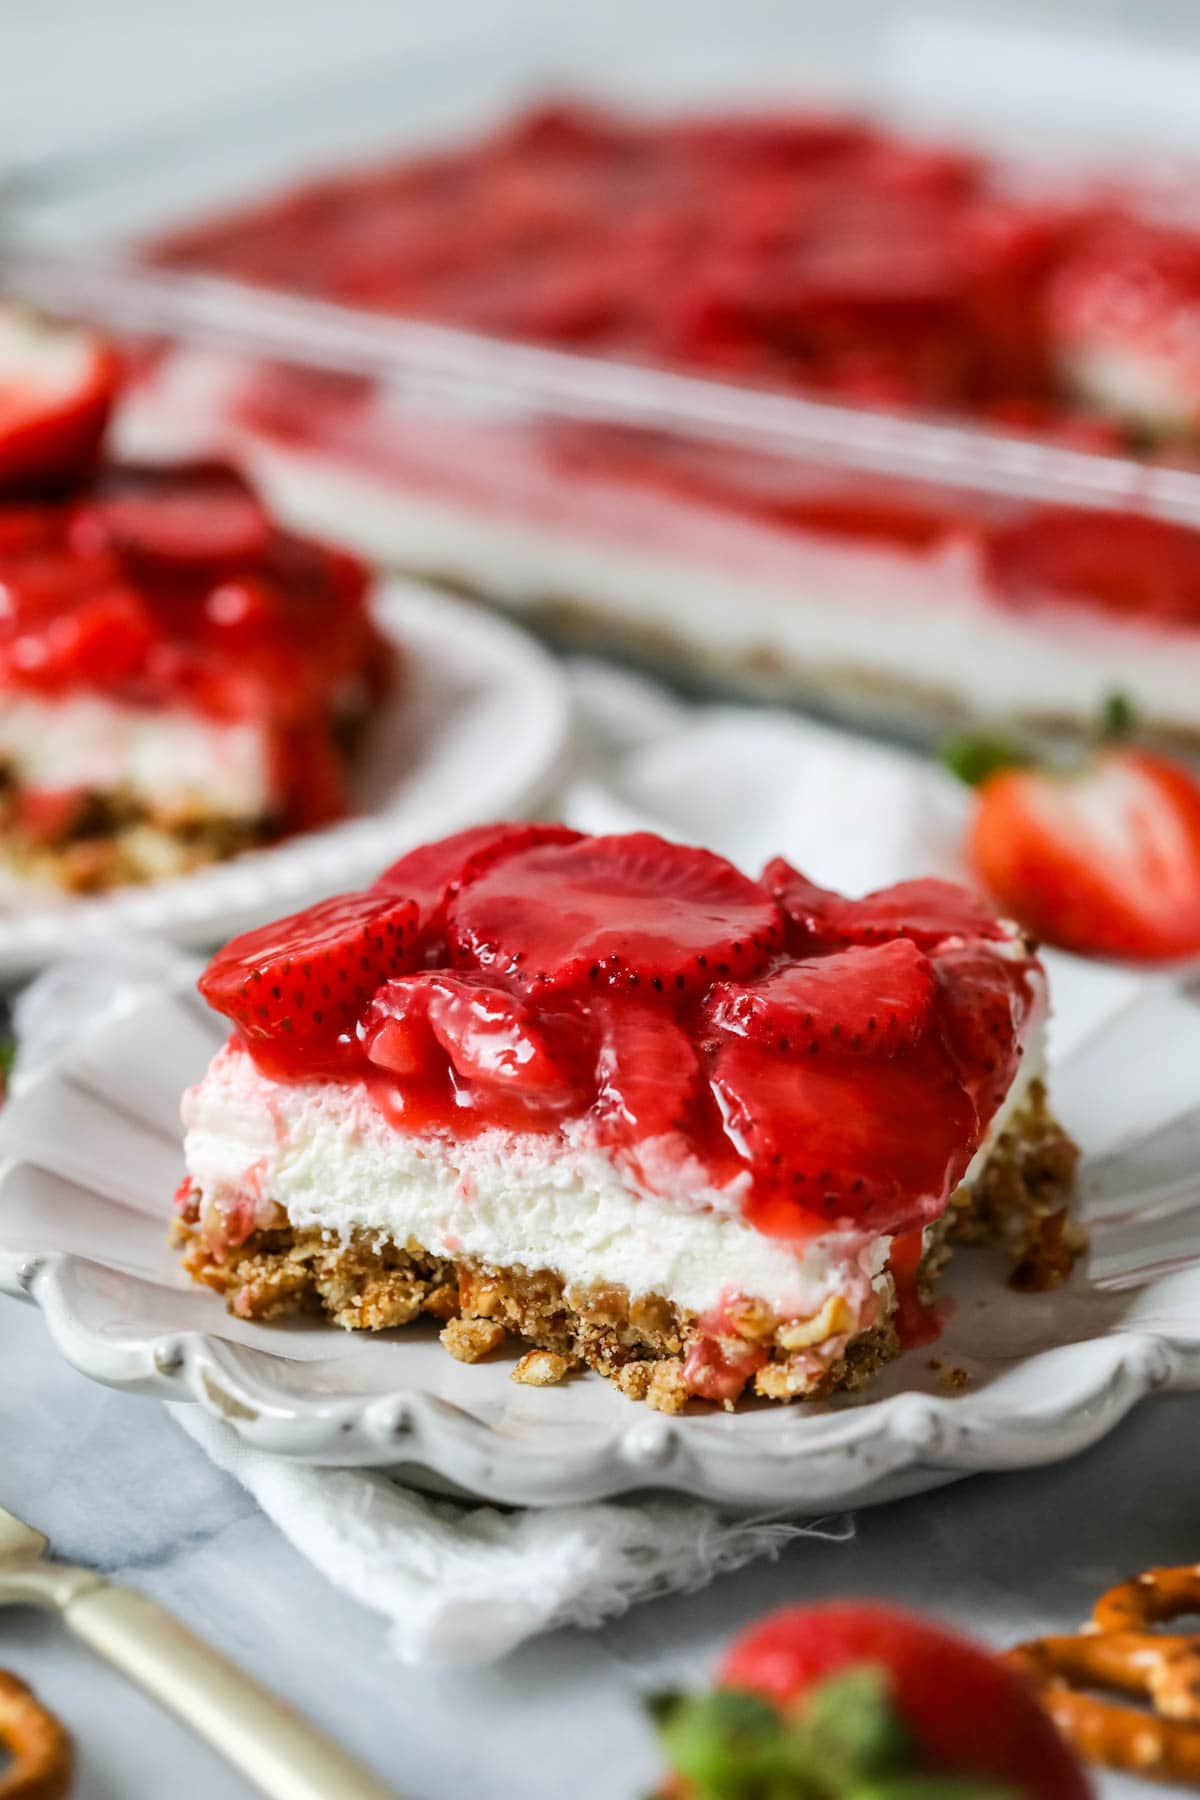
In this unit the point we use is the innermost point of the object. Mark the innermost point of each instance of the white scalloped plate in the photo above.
(478, 727)
(93, 1153)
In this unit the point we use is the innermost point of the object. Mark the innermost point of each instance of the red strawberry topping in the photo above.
(926, 911)
(432, 874)
(872, 1001)
(647, 1070)
(202, 517)
(837, 1139)
(489, 1037)
(854, 1697)
(57, 387)
(642, 993)
(1105, 861)
(295, 989)
(616, 911)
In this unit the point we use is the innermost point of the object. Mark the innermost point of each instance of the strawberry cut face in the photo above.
(1105, 862)
(295, 989)
(872, 1001)
(614, 912)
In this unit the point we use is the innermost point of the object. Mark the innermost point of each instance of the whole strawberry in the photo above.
(854, 1701)
(1102, 859)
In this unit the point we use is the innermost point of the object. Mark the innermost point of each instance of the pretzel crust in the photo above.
(1119, 1652)
(42, 1757)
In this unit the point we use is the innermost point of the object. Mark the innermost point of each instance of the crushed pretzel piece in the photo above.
(42, 1756)
(542, 1368)
(470, 1340)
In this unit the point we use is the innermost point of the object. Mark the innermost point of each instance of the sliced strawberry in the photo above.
(868, 1000)
(490, 1037)
(614, 911)
(1105, 861)
(198, 517)
(926, 911)
(296, 988)
(433, 873)
(57, 386)
(647, 1072)
(845, 1140)
(961, 1710)
(983, 1003)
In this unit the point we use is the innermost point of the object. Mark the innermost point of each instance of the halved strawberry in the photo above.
(927, 911)
(867, 999)
(839, 1139)
(647, 1071)
(855, 1697)
(489, 1036)
(195, 517)
(614, 911)
(433, 873)
(57, 386)
(296, 988)
(1104, 861)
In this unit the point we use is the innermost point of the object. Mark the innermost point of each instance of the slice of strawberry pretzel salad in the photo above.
(706, 1135)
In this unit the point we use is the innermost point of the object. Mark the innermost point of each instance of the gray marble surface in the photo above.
(117, 1485)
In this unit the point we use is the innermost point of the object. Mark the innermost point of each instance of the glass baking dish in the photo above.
(775, 542)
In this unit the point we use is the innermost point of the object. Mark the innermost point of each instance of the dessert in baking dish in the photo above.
(706, 1135)
(796, 254)
(179, 677)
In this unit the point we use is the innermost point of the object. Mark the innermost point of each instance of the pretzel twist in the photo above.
(42, 1758)
(1118, 1651)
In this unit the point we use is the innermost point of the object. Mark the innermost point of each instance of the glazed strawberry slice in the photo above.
(490, 1038)
(647, 1071)
(296, 988)
(198, 518)
(854, 1698)
(432, 874)
(872, 1000)
(926, 911)
(845, 1141)
(983, 1003)
(1104, 861)
(614, 911)
(57, 386)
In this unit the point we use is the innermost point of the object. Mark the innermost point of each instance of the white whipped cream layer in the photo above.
(1133, 383)
(176, 762)
(326, 1154)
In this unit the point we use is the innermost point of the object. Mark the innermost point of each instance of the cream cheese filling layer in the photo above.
(330, 1158)
(175, 762)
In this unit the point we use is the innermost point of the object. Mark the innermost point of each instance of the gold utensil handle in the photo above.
(272, 1746)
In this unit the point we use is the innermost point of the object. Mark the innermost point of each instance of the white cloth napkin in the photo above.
(465, 1583)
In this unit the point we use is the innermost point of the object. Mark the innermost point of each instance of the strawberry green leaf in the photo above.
(975, 757)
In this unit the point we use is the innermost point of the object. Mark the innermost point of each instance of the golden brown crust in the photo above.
(640, 1343)
(42, 1757)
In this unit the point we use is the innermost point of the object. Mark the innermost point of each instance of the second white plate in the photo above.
(479, 727)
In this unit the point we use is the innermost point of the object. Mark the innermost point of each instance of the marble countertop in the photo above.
(118, 1486)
